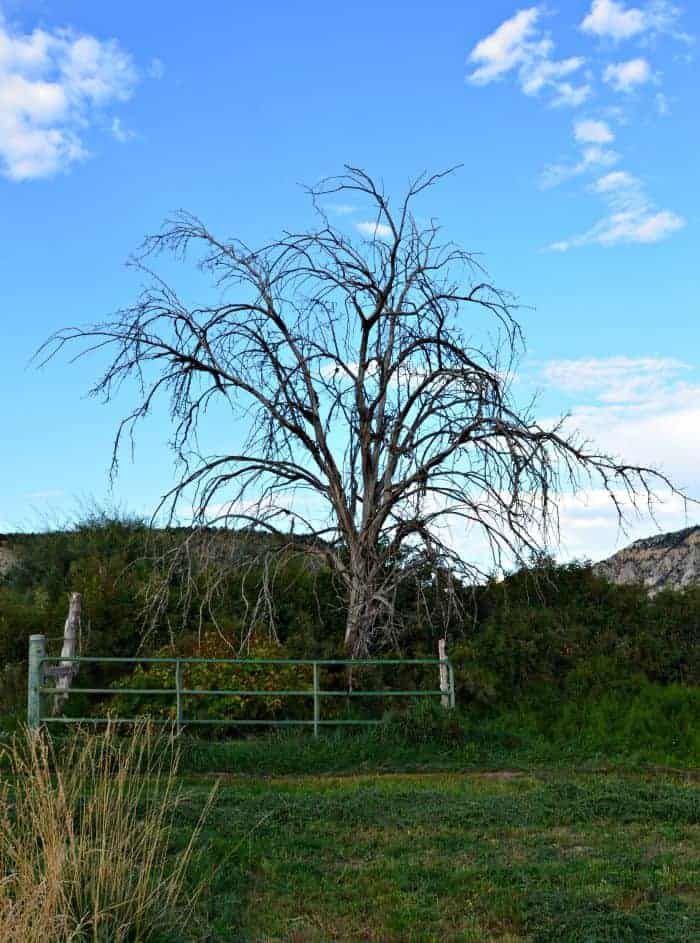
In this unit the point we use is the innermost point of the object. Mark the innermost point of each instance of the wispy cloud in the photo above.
(119, 132)
(632, 217)
(374, 230)
(626, 76)
(663, 106)
(591, 136)
(341, 209)
(521, 47)
(52, 87)
(519, 44)
(623, 380)
(645, 408)
(510, 46)
(592, 158)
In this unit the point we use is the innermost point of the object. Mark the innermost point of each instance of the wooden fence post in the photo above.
(70, 640)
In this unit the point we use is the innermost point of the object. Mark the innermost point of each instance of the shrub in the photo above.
(217, 677)
(637, 718)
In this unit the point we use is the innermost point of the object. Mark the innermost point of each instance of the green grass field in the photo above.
(546, 855)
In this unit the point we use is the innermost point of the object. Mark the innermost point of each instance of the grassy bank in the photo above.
(653, 727)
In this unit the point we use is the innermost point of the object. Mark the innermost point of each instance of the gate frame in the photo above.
(39, 671)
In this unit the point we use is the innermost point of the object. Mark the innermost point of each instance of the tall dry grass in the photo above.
(86, 830)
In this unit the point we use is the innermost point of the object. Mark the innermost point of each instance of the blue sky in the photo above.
(576, 125)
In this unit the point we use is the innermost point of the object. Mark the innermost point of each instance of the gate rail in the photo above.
(39, 670)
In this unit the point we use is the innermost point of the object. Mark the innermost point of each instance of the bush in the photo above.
(563, 627)
(659, 723)
(216, 677)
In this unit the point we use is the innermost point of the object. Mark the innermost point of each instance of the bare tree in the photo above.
(374, 378)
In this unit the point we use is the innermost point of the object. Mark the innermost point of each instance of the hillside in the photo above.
(664, 561)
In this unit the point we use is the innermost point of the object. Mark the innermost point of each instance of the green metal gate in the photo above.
(43, 667)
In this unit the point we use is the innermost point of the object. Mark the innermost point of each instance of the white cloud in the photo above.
(611, 19)
(616, 180)
(590, 528)
(509, 46)
(542, 72)
(642, 408)
(51, 86)
(595, 156)
(341, 209)
(570, 95)
(625, 76)
(374, 230)
(614, 20)
(663, 107)
(632, 217)
(518, 43)
(593, 132)
(523, 48)
(622, 379)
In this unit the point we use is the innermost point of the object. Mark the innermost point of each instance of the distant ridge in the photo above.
(664, 561)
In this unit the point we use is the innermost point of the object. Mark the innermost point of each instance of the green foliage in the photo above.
(564, 627)
(215, 677)
(553, 648)
(638, 717)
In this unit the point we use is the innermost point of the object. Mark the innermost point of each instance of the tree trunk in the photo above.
(363, 612)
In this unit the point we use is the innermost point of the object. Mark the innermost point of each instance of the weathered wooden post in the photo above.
(67, 669)
(37, 651)
(446, 697)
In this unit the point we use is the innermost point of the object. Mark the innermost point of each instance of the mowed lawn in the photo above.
(543, 856)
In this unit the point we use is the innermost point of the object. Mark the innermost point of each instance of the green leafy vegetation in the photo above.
(552, 653)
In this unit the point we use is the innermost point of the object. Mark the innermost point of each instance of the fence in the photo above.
(40, 669)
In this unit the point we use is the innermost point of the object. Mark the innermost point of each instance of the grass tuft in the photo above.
(85, 836)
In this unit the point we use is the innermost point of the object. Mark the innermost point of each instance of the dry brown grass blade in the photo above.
(85, 838)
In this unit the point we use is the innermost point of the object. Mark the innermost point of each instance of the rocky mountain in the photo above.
(660, 562)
